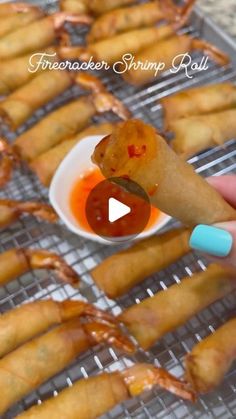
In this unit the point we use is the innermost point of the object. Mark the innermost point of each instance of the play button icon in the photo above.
(117, 210)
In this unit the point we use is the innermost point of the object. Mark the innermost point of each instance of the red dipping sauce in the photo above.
(81, 190)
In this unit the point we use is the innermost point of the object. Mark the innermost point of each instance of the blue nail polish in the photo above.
(212, 240)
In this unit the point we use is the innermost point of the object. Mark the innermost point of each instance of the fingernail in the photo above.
(212, 240)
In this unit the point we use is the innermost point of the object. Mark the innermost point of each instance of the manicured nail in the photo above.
(212, 240)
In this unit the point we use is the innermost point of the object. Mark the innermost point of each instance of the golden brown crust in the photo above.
(198, 101)
(197, 133)
(211, 358)
(169, 309)
(117, 274)
(22, 103)
(179, 191)
(46, 164)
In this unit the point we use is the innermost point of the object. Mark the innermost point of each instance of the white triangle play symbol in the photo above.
(117, 210)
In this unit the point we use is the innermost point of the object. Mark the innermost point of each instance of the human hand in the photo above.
(219, 240)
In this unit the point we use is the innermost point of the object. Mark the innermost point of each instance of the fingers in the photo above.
(230, 228)
(226, 186)
(218, 241)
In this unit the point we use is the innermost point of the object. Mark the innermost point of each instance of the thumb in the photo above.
(218, 241)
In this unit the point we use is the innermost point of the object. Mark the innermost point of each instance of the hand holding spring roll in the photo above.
(16, 262)
(95, 396)
(211, 358)
(21, 324)
(221, 237)
(178, 190)
(11, 210)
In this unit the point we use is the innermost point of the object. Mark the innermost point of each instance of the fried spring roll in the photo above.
(36, 35)
(21, 324)
(168, 54)
(22, 103)
(26, 368)
(11, 210)
(45, 165)
(16, 262)
(68, 120)
(211, 358)
(198, 101)
(171, 308)
(90, 398)
(196, 133)
(10, 23)
(135, 149)
(96, 7)
(111, 50)
(128, 18)
(14, 73)
(117, 274)
(55, 127)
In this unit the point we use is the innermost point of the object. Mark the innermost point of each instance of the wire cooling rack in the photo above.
(83, 255)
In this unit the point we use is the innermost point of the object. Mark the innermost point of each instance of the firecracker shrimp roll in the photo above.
(171, 308)
(197, 133)
(69, 119)
(37, 35)
(111, 50)
(23, 102)
(18, 261)
(18, 71)
(138, 16)
(198, 101)
(30, 365)
(117, 274)
(46, 164)
(21, 324)
(168, 53)
(211, 358)
(135, 150)
(90, 398)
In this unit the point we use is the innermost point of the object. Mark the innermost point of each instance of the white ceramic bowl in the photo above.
(77, 162)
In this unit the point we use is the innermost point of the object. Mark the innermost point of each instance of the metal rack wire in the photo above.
(84, 255)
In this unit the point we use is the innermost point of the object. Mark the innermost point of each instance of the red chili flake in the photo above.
(152, 190)
(113, 170)
(125, 177)
(135, 151)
